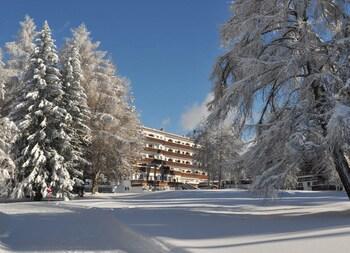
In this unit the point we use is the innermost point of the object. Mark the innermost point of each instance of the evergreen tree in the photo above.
(39, 147)
(7, 135)
(75, 103)
(114, 122)
(8, 130)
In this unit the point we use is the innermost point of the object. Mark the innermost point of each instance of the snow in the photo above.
(180, 221)
(63, 229)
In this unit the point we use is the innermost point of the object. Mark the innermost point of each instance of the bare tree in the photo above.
(282, 75)
(218, 151)
(18, 52)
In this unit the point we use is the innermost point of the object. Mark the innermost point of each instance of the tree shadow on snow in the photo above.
(194, 215)
(79, 230)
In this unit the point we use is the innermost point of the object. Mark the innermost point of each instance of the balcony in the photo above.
(169, 143)
(191, 175)
(170, 174)
(164, 152)
(171, 163)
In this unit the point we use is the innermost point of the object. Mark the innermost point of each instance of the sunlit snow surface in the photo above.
(180, 221)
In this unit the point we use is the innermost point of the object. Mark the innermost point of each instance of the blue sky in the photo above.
(165, 48)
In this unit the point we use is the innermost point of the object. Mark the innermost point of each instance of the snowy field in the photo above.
(180, 221)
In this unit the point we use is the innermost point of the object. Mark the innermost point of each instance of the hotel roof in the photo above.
(168, 133)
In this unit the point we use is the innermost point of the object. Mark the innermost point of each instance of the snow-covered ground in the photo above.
(180, 221)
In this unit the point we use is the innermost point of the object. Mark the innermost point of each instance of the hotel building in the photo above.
(168, 159)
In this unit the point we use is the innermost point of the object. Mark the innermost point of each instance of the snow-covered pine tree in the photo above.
(8, 131)
(7, 135)
(18, 52)
(75, 103)
(282, 71)
(114, 123)
(38, 149)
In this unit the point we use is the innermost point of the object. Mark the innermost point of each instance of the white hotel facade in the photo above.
(168, 158)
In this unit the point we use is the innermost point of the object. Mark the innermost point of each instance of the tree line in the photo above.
(65, 116)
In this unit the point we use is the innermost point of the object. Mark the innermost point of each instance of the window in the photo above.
(170, 160)
(170, 150)
(170, 140)
(150, 156)
(150, 145)
(151, 135)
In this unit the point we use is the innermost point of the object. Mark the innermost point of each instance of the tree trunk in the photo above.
(155, 176)
(38, 196)
(161, 173)
(340, 162)
(342, 168)
(147, 174)
(94, 186)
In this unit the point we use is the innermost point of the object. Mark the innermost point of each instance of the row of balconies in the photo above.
(178, 179)
(163, 158)
(170, 142)
(168, 151)
(170, 161)
(174, 173)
